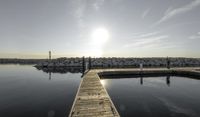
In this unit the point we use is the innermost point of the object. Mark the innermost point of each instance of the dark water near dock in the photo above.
(27, 92)
(155, 96)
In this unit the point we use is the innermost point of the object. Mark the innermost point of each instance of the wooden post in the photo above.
(141, 68)
(168, 63)
(89, 67)
(83, 64)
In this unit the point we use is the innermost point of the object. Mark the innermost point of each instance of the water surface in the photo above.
(28, 92)
(155, 96)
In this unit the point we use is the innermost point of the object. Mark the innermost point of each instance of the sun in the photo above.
(100, 36)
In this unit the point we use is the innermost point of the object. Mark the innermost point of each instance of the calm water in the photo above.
(27, 92)
(155, 96)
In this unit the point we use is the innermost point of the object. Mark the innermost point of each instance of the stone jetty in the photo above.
(115, 62)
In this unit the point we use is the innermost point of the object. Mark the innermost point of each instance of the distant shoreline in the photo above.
(20, 61)
(107, 62)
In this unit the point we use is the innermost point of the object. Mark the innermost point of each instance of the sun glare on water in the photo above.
(103, 82)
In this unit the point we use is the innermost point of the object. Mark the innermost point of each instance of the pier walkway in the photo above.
(92, 100)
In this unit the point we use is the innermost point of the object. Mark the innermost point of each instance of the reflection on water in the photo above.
(167, 80)
(27, 92)
(103, 82)
(165, 96)
(61, 69)
(49, 75)
(141, 80)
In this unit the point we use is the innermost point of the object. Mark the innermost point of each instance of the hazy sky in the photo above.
(135, 28)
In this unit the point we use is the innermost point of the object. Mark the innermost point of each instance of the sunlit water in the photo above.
(27, 92)
(155, 96)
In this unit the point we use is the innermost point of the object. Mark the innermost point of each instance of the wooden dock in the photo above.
(92, 99)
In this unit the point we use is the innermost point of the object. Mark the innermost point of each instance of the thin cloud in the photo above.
(169, 10)
(80, 7)
(171, 13)
(138, 35)
(145, 13)
(146, 41)
(193, 37)
(97, 4)
(144, 35)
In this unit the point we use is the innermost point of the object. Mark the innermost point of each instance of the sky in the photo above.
(99, 28)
